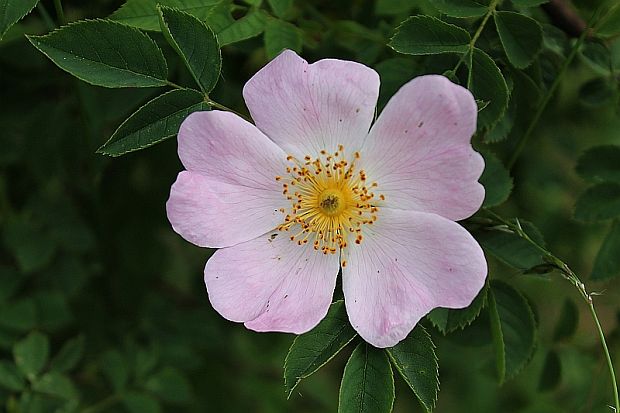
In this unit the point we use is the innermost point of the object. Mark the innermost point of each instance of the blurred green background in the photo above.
(89, 260)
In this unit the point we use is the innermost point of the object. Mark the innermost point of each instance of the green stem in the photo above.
(474, 39)
(60, 14)
(49, 23)
(103, 405)
(576, 281)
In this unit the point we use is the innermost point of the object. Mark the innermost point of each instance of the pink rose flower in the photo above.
(313, 189)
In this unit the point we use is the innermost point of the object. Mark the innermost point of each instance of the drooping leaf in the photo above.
(143, 14)
(513, 328)
(11, 11)
(280, 35)
(105, 53)
(448, 320)
(312, 350)
(195, 43)
(56, 384)
(416, 361)
(10, 378)
(69, 355)
(422, 35)
(607, 262)
(600, 163)
(496, 180)
(488, 84)
(599, 202)
(169, 385)
(521, 37)
(551, 372)
(367, 383)
(461, 8)
(568, 321)
(250, 25)
(31, 354)
(597, 92)
(154, 122)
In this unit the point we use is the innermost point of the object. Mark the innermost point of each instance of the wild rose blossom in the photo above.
(312, 189)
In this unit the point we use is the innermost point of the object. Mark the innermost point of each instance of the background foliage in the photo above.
(102, 306)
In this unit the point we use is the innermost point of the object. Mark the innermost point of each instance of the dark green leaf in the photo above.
(11, 11)
(599, 202)
(448, 320)
(250, 25)
(609, 26)
(55, 384)
(461, 8)
(10, 281)
(496, 180)
(31, 354)
(600, 163)
(416, 361)
(280, 35)
(115, 369)
(31, 246)
(422, 35)
(105, 53)
(169, 385)
(195, 43)
(504, 126)
(521, 37)
(53, 309)
(312, 350)
(568, 321)
(143, 14)
(367, 383)
(528, 3)
(154, 122)
(19, 315)
(607, 262)
(551, 372)
(280, 7)
(141, 403)
(488, 84)
(69, 355)
(597, 92)
(10, 378)
(513, 329)
(597, 55)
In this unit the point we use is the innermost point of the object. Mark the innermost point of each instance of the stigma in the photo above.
(330, 200)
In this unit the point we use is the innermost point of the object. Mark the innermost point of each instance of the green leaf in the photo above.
(488, 84)
(568, 321)
(19, 315)
(10, 378)
(513, 328)
(609, 26)
(154, 122)
(528, 3)
(141, 403)
(423, 35)
(521, 37)
(10, 282)
(31, 354)
(169, 385)
(55, 384)
(597, 55)
(496, 180)
(250, 25)
(11, 11)
(195, 43)
(416, 361)
(597, 92)
(115, 368)
(599, 202)
(105, 53)
(512, 249)
(367, 383)
(69, 355)
(551, 372)
(143, 14)
(607, 262)
(312, 350)
(280, 7)
(461, 8)
(280, 35)
(31, 246)
(53, 309)
(600, 163)
(448, 320)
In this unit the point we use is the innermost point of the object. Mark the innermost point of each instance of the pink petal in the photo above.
(210, 213)
(272, 284)
(419, 149)
(409, 263)
(305, 108)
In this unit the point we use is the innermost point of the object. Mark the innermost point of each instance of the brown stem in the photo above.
(564, 16)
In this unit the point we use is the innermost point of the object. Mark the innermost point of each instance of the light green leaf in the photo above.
(600, 163)
(115, 368)
(169, 385)
(105, 53)
(416, 361)
(461, 8)
(31, 354)
(69, 355)
(423, 35)
(599, 202)
(10, 378)
(607, 262)
(55, 384)
(448, 320)
(521, 37)
(11, 11)
(512, 249)
(280, 35)
(513, 328)
(567, 324)
(280, 7)
(496, 180)
(488, 84)
(154, 122)
(250, 25)
(597, 92)
(195, 43)
(143, 14)
(312, 350)
(141, 403)
(367, 383)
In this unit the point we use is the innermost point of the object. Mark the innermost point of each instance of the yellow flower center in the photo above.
(330, 201)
